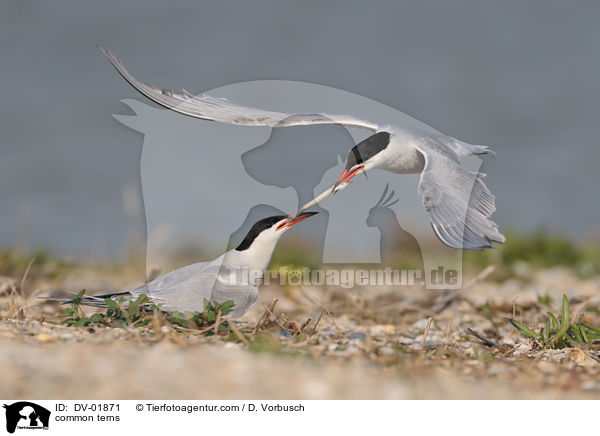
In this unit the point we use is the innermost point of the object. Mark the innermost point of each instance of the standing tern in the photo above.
(457, 201)
(234, 275)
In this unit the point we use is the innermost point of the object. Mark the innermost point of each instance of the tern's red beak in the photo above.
(291, 221)
(348, 174)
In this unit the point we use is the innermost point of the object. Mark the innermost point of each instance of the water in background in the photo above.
(520, 77)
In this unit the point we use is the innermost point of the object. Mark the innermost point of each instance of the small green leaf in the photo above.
(590, 327)
(524, 330)
(111, 304)
(592, 336)
(133, 304)
(133, 310)
(97, 317)
(82, 322)
(555, 324)
(574, 335)
(566, 311)
(565, 321)
(227, 307)
(77, 298)
(583, 335)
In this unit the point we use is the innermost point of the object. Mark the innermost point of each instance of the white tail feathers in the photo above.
(462, 149)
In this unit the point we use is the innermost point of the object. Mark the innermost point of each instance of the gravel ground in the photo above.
(362, 343)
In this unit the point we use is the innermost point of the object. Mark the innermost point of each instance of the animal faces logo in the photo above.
(214, 180)
(24, 415)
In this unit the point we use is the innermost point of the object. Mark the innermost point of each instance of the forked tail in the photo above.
(462, 149)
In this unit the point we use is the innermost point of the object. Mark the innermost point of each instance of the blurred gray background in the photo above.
(521, 77)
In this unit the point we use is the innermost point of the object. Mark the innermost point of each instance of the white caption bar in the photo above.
(157, 417)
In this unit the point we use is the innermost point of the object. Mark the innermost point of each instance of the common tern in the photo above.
(233, 276)
(457, 201)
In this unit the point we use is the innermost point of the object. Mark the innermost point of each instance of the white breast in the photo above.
(400, 156)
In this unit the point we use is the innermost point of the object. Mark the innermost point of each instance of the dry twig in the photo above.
(268, 310)
(426, 332)
(217, 322)
(25, 274)
(304, 325)
(237, 332)
(487, 342)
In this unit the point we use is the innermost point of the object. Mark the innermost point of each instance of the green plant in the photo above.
(139, 313)
(72, 315)
(206, 320)
(558, 333)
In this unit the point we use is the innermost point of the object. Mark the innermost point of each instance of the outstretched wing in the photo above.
(224, 111)
(457, 201)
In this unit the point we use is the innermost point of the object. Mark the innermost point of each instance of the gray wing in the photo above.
(457, 201)
(224, 111)
(193, 272)
(185, 289)
(182, 290)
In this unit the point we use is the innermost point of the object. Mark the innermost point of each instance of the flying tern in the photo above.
(457, 201)
(233, 276)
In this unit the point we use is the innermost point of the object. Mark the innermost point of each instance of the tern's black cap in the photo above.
(368, 148)
(257, 229)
